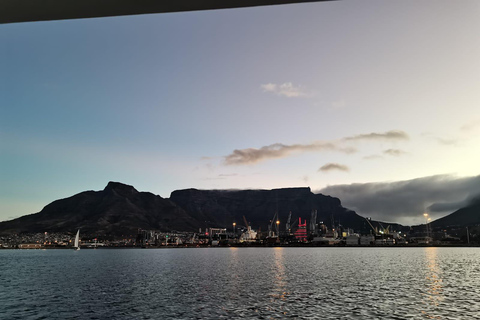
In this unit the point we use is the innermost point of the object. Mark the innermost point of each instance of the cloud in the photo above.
(405, 201)
(468, 127)
(394, 152)
(447, 142)
(278, 150)
(389, 135)
(373, 157)
(286, 89)
(333, 166)
(228, 174)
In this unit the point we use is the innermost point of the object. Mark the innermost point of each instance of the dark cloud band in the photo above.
(403, 201)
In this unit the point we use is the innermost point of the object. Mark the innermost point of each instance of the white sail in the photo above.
(77, 238)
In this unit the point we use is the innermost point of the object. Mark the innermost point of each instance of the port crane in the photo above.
(375, 230)
(246, 222)
(313, 222)
(275, 221)
(288, 227)
(293, 224)
(385, 230)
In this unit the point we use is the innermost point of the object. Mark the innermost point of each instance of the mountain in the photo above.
(120, 209)
(467, 216)
(223, 207)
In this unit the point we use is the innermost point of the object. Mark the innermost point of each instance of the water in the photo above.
(241, 283)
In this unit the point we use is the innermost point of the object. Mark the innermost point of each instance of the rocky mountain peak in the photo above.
(120, 188)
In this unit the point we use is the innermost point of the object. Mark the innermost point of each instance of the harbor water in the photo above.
(241, 283)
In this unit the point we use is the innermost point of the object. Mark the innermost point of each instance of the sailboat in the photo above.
(76, 245)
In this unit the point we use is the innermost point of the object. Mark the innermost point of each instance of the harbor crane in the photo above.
(293, 224)
(313, 222)
(246, 222)
(375, 230)
(275, 221)
(385, 231)
(288, 227)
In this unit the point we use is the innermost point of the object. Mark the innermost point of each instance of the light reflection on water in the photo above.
(279, 275)
(434, 294)
(241, 283)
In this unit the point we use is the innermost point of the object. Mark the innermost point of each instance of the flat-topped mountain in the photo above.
(120, 209)
(259, 206)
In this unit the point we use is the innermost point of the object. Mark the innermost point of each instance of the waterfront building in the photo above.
(352, 240)
(367, 240)
(30, 246)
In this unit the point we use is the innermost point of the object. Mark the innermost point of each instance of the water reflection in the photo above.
(242, 283)
(279, 275)
(433, 281)
(279, 293)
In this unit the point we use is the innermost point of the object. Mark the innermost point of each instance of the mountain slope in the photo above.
(118, 209)
(467, 216)
(222, 207)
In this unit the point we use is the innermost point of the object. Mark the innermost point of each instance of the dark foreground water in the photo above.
(241, 283)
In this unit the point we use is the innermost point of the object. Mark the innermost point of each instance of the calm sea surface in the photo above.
(241, 283)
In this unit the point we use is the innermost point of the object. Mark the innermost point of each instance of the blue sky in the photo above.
(317, 94)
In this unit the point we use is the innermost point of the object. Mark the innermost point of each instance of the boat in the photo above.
(76, 245)
(249, 235)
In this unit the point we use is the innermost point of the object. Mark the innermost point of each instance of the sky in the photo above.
(374, 102)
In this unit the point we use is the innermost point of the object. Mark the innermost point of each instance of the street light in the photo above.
(428, 227)
(426, 222)
(234, 224)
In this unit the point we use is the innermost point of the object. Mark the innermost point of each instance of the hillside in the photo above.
(120, 209)
(467, 216)
(221, 207)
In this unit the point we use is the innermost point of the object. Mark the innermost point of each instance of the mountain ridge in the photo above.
(121, 209)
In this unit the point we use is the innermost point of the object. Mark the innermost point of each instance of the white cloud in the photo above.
(373, 157)
(286, 89)
(394, 152)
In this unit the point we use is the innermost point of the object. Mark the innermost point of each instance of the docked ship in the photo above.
(249, 235)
